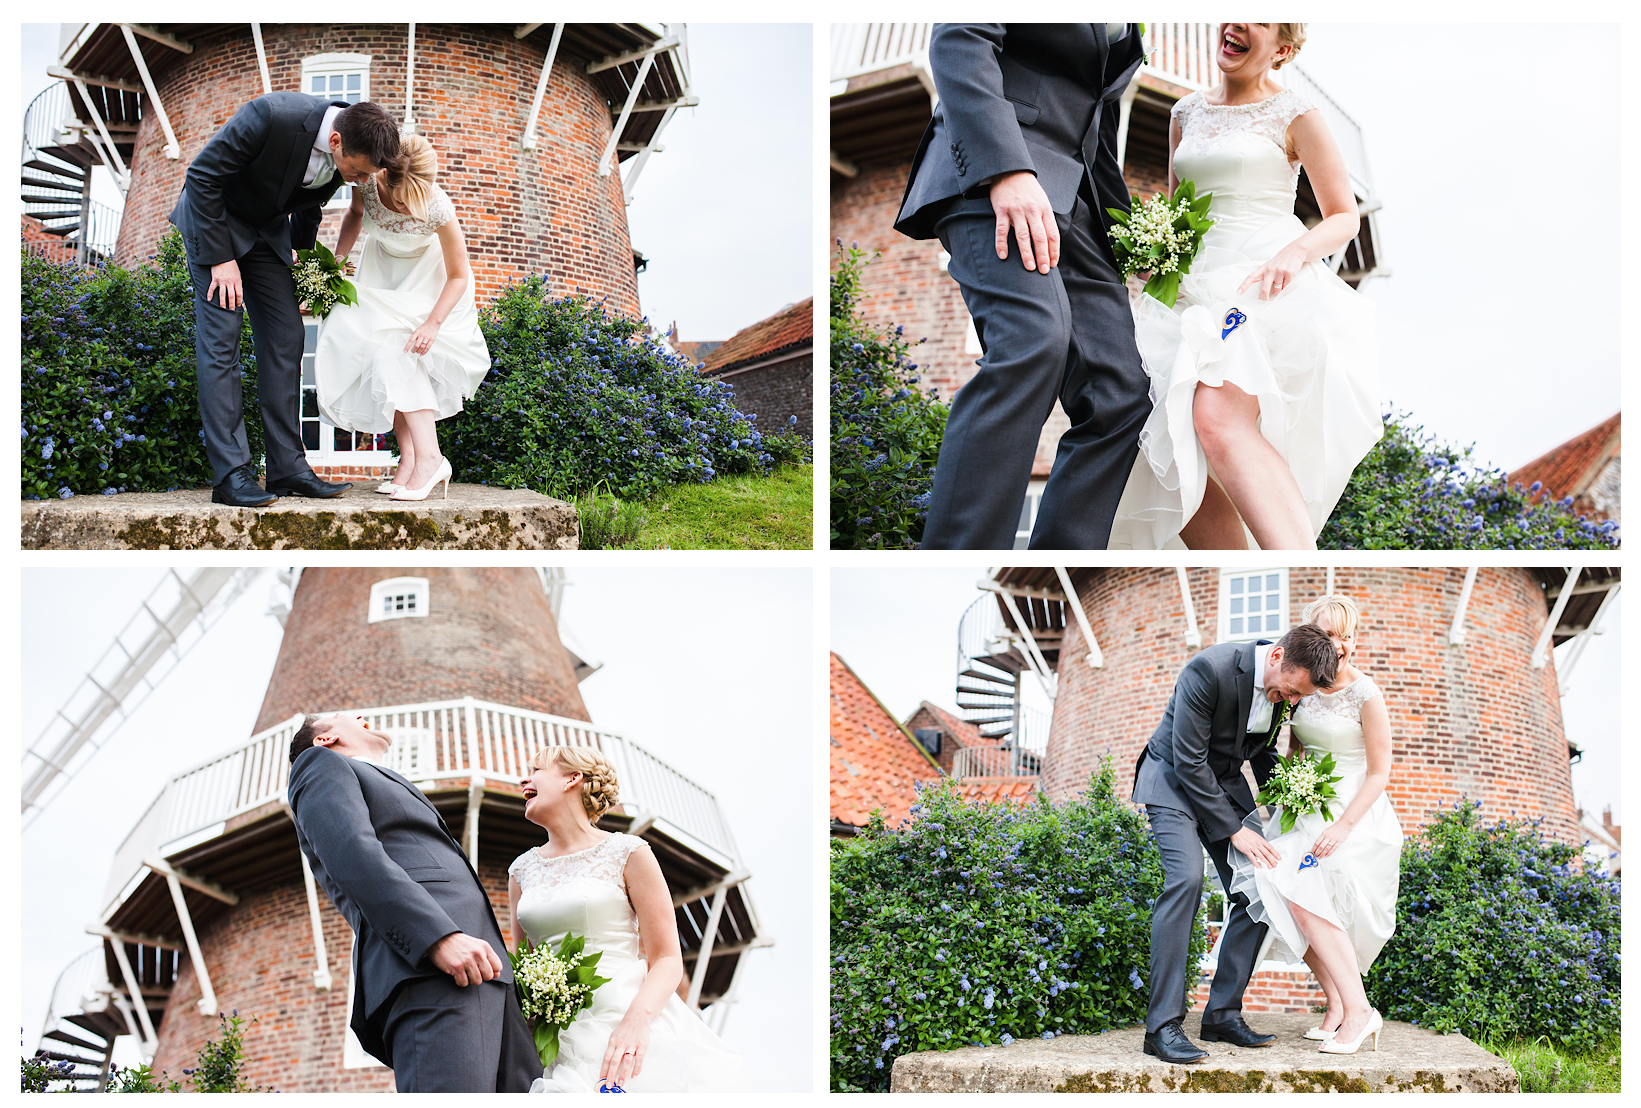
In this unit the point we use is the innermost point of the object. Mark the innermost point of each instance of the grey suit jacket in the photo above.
(247, 182)
(1193, 761)
(381, 852)
(1037, 97)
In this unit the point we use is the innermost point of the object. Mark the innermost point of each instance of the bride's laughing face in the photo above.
(1248, 49)
(546, 786)
(1345, 644)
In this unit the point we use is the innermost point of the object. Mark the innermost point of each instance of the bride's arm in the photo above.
(457, 276)
(513, 894)
(657, 928)
(1173, 145)
(1313, 147)
(352, 220)
(1376, 736)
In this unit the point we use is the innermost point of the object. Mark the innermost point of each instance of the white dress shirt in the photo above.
(321, 165)
(1259, 717)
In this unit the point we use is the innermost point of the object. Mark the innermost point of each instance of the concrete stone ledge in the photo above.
(475, 517)
(1409, 1060)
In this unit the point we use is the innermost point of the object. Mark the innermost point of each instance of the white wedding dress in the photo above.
(1354, 887)
(586, 893)
(361, 368)
(1308, 354)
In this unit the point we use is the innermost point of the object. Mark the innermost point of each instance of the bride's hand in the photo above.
(1331, 839)
(421, 339)
(1275, 275)
(624, 1057)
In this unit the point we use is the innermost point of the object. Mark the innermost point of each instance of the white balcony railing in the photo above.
(447, 738)
(1179, 53)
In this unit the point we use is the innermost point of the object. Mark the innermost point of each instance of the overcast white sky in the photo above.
(897, 629)
(725, 214)
(682, 677)
(1499, 324)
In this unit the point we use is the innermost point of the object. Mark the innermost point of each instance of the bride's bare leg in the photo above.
(1255, 477)
(1333, 949)
(1216, 526)
(424, 442)
(407, 449)
(1336, 1003)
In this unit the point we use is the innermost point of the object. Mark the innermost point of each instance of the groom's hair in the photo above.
(303, 739)
(368, 131)
(1311, 649)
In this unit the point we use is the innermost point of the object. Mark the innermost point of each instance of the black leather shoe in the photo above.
(1169, 1043)
(240, 490)
(308, 484)
(1234, 1031)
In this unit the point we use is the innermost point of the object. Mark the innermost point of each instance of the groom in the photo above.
(1227, 707)
(432, 984)
(1014, 175)
(252, 196)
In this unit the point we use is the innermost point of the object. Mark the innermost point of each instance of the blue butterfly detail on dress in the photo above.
(612, 1087)
(1233, 319)
(1307, 862)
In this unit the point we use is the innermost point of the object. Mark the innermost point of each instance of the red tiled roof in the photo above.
(1569, 468)
(790, 327)
(966, 733)
(987, 790)
(875, 764)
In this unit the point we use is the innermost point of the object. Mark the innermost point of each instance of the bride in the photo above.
(637, 1034)
(1332, 900)
(1264, 375)
(410, 351)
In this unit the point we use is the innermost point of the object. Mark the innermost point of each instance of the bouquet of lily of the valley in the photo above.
(1161, 237)
(1300, 785)
(320, 283)
(553, 988)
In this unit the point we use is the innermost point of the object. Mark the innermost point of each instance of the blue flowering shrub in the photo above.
(1413, 493)
(980, 924)
(886, 431)
(108, 392)
(577, 399)
(1501, 933)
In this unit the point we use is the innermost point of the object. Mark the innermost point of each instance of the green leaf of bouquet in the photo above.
(1164, 288)
(547, 1044)
(1288, 818)
(1118, 215)
(322, 252)
(345, 292)
(571, 945)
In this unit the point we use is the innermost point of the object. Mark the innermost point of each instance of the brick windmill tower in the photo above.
(210, 905)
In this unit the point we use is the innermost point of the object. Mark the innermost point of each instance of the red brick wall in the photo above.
(44, 244)
(1270, 992)
(261, 960)
(489, 634)
(906, 286)
(1470, 721)
(522, 211)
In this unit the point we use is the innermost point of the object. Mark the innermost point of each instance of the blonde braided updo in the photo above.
(1343, 615)
(411, 177)
(1291, 34)
(600, 790)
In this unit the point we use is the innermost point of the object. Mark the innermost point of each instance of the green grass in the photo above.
(744, 512)
(1547, 1068)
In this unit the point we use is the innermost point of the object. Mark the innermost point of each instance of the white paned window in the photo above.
(338, 77)
(1253, 604)
(398, 598)
(328, 445)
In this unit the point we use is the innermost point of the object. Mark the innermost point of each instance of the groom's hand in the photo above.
(1022, 206)
(1256, 848)
(225, 276)
(465, 958)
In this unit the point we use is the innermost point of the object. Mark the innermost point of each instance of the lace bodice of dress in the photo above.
(405, 229)
(1202, 124)
(584, 892)
(1333, 721)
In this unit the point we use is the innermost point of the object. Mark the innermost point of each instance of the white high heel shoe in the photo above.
(1319, 1035)
(441, 474)
(1373, 1026)
(388, 487)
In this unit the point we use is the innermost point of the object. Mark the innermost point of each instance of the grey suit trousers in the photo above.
(1066, 334)
(448, 1038)
(1180, 840)
(276, 326)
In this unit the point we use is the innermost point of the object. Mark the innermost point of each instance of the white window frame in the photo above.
(413, 586)
(327, 454)
(328, 65)
(1028, 512)
(354, 1056)
(1224, 632)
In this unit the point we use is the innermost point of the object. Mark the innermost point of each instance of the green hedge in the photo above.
(886, 431)
(1501, 933)
(979, 924)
